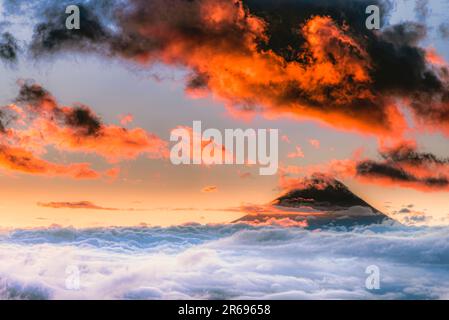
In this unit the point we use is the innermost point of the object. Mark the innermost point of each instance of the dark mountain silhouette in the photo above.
(322, 202)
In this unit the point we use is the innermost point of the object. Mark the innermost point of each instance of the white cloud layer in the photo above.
(227, 261)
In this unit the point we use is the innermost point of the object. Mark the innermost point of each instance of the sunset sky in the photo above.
(56, 169)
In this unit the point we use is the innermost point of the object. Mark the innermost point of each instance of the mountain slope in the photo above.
(319, 202)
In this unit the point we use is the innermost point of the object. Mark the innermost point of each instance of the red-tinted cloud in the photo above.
(23, 161)
(319, 61)
(126, 119)
(36, 121)
(401, 165)
(244, 175)
(209, 189)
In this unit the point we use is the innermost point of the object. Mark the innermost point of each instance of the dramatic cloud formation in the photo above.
(225, 262)
(400, 165)
(404, 165)
(310, 59)
(79, 129)
(36, 121)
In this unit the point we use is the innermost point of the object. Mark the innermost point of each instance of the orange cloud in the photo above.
(87, 205)
(244, 175)
(209, 189)
(126, 119)
(306, 60)
(74, 205)
(111, 142)
(401, 165)
(37, 121)
(112, 173)
(20, 160)
(434, 58)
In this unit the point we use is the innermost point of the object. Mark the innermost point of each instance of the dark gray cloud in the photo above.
(41, 101)
(33, 94)
(81, 117)
(52, 35)
(390, 170)
(408, 154)
(404, 164)
(417, 218)
(2, 124)
(9, 48)
(146, 30)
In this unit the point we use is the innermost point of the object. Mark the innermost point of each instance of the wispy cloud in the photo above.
(315, 143)
(82, 205)
(298, 153)
(244, 175)
(209, 189)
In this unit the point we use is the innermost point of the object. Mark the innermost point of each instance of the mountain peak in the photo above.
(322, 193)
(320, 201)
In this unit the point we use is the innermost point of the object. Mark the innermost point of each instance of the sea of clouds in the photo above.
(225, 262)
